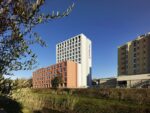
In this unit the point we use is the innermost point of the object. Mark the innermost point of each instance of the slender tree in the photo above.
(17, 20)
(1, 82)
(56, 81)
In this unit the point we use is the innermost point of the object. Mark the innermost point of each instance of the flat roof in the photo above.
(81, 34)
(139, 37)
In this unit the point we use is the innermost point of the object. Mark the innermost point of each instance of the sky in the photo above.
(107, 23)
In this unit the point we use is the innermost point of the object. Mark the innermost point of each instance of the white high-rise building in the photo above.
(79, 50)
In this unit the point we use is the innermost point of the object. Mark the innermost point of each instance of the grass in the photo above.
(88, 105)
(135, 96)
(38, 101)
(84, 100)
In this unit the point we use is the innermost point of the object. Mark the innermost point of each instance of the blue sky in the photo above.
(108, 23)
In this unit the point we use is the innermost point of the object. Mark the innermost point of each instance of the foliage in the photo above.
(5, 84)
(22, 83)
(17, 20)
(1, 82)
(56, 81)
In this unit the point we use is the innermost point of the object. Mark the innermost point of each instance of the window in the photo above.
(134, 71)
(134, 49)
(60, 70)
(134, 43)
(134, 60)
(65, 78)
(76, 38)
(134, 65)
(64, 69)
(65, 84)
(79, 37)
(134, 55)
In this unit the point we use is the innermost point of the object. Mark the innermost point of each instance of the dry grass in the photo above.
(86, 100)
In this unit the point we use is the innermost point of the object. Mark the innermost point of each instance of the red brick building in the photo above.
(67, 70)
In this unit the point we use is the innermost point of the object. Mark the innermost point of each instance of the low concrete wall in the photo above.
(133, 77)
(132, 80)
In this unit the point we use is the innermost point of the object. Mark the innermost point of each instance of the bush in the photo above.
(86, 100)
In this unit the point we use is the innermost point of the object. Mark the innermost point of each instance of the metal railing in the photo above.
(141, 83)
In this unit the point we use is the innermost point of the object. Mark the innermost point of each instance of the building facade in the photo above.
(77, 49)
(134, 57)
(67, 70)
(105, 82)
(133, 60)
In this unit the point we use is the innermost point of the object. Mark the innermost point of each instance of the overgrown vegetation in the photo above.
(5, 85)
(85, 100)
(136, 96)
(22, 83)
(76, 100)
(38, 101)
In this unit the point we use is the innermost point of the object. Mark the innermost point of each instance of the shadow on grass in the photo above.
(45, 110)
(9, 105)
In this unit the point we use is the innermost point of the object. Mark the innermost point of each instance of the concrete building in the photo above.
(105, 82)
(79, 50)
(134, 61)
(66, 70)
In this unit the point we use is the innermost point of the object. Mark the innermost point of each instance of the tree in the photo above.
(17, 20)
(5, 84)
(56, 81)
(29, 83)
(22, 83)
(1, 82)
